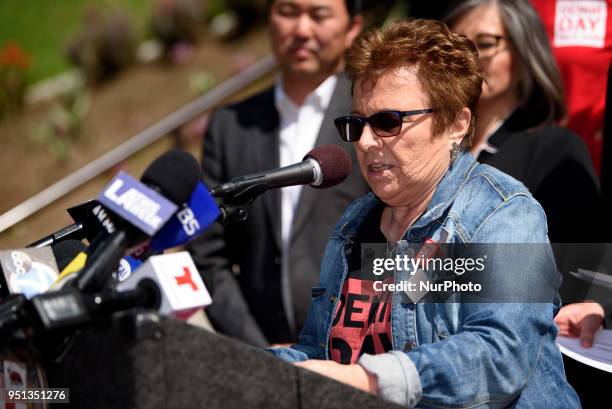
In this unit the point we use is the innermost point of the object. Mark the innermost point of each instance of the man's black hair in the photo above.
(353, 6)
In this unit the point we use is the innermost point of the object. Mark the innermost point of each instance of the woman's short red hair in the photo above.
(448, 67)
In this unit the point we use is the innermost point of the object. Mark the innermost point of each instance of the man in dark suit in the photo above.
(260, 272)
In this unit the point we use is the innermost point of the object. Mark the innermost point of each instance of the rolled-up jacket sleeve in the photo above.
(398, 378)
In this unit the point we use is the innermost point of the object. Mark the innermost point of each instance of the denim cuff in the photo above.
(288, 354)
(398, 379)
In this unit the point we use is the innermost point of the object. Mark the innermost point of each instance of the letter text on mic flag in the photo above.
(189, 221)
(137, 203)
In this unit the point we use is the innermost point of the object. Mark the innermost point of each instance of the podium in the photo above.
(142, 360)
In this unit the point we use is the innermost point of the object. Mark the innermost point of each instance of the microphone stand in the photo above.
(235, 208)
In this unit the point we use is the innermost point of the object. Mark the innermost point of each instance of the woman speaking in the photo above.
(415, 91)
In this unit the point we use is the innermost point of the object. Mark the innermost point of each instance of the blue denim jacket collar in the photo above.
(452, 182)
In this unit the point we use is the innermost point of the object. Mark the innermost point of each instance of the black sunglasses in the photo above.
(383, 123)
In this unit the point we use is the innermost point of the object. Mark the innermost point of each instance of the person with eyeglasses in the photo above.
(521, 102)
(522, 99)
(416, 88)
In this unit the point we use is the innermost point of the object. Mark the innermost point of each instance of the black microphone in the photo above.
(65, 251)
(91, 219)
(167, 283)
(175, 174)
(322, 167)
(15, 309)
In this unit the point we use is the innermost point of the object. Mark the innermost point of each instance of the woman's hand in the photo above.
(353, 375)
(580, 320)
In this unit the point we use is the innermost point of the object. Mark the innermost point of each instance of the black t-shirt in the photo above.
(362, 320)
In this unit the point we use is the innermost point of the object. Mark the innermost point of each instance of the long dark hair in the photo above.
(540, 88)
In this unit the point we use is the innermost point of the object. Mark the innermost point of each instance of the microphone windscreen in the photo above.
(335, 164)
(65, 251)
(175, 173)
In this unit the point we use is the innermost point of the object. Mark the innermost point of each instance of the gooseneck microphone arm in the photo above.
(240, 192)
(322, 167)
(247, 187)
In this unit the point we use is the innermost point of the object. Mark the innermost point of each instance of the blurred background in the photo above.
(88, 87)
(91, 87)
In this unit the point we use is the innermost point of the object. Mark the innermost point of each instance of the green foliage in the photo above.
(43, 27)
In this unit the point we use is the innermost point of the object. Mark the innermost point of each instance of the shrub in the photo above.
(105, 45)
(177, 21)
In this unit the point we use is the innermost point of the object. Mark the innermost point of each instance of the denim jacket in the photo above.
(456, 355)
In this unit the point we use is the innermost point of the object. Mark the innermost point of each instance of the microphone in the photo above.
(141, 212)
(32, 271)
(189, 221)
(192, 219)
(322, 167)
(91, 218)
(126, 266)
(169, 283)
(200, 210)
(28, 273)
(65, 251)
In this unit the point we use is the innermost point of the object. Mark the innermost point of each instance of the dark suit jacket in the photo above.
(241, 263)
(554, 164)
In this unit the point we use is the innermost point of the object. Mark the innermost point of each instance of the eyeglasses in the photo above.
(383, 123)
(488, 45)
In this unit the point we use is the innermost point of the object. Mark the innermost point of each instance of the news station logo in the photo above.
(29, 271)
(124, 271)
(182, 279)
(138, 204)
